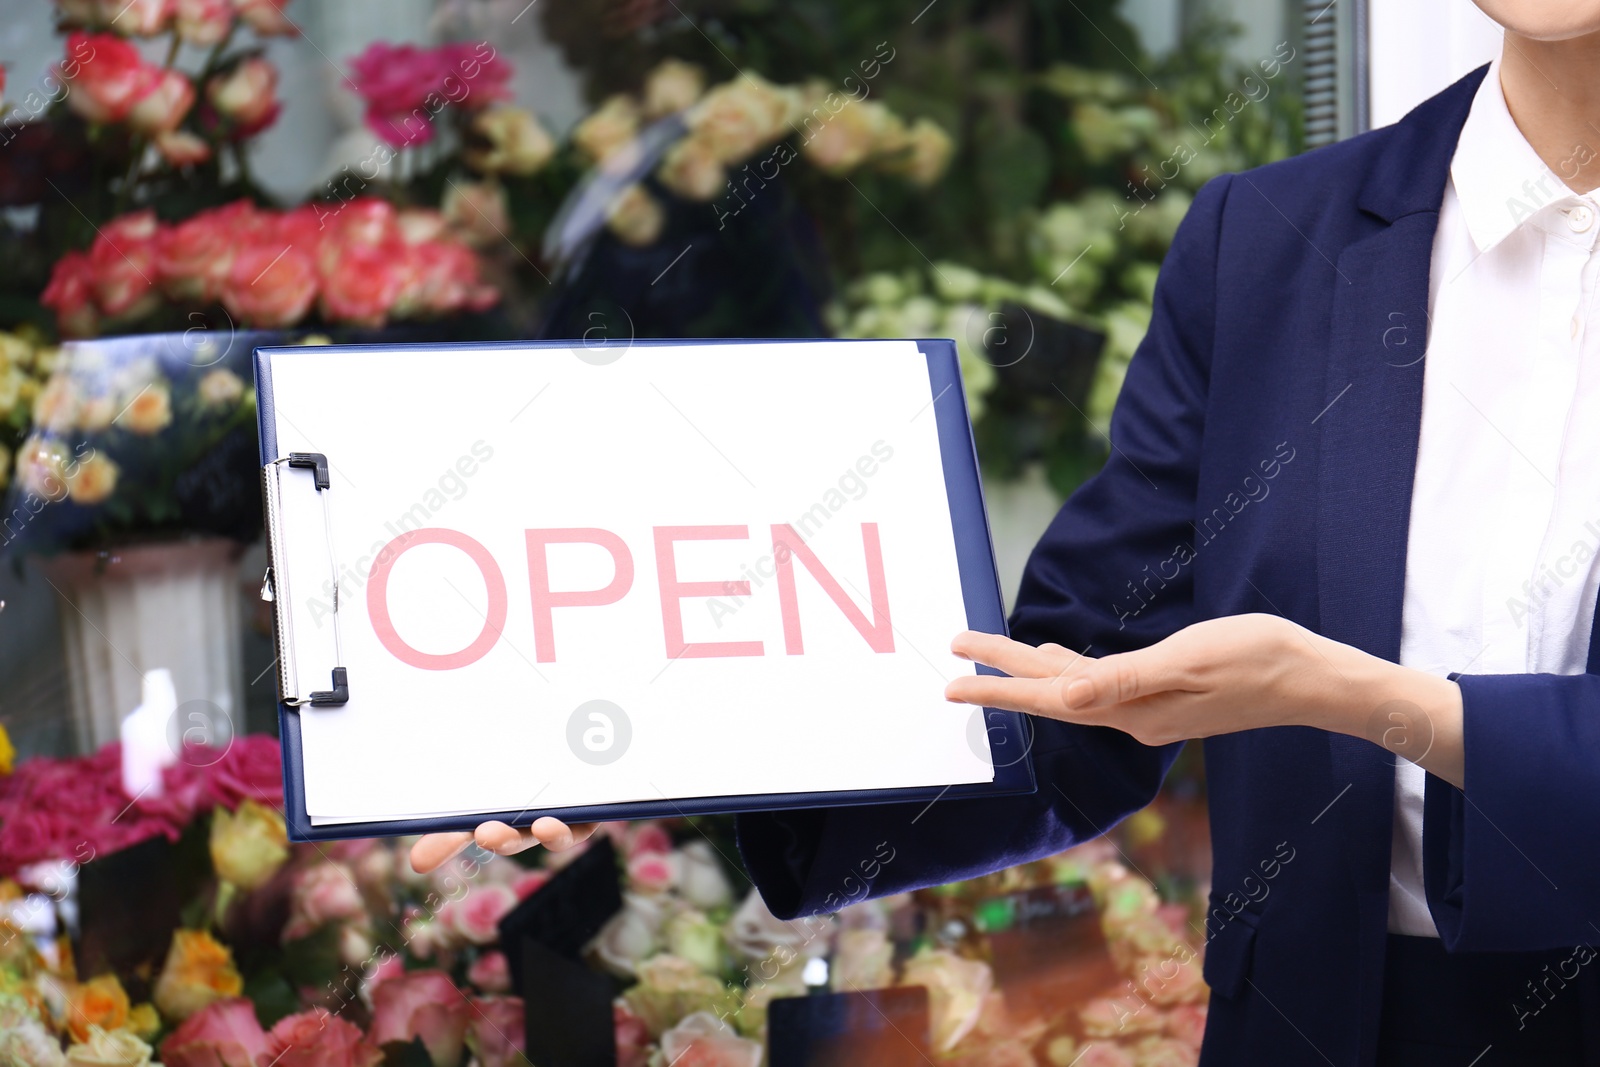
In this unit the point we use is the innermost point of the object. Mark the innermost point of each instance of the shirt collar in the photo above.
(1499, 179)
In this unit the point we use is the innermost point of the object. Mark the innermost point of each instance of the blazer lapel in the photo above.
(1368, 450)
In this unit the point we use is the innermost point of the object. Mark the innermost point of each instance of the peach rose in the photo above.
(635, 216)
(846, 139)
(692, 170)
(477, 211)
(705, 1041)
(738, 117)
(225, 1033)
(199, 971)
(148, 411)
(55, 408)
(423, 1004)
(1187, 1023)
(926, 154)
(41, 467)
(317, 1038)
(956, 991)
(614, 124)
(509, 140)
(160, 110)
(93, 481)
(419, 225)
(98, 1002)
(116, 1048)
(221, 388)
(672, 86)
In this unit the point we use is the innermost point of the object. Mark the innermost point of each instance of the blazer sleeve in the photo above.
(1089, 586)
(1509, 863)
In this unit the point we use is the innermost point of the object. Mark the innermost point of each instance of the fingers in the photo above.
(432, 850)
(1014, 657)
(1035, 696)
(1129, 676)
(557, 836)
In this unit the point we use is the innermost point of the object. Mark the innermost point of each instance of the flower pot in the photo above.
(173, 605)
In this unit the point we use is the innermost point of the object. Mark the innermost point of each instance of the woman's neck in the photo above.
(1553, 91)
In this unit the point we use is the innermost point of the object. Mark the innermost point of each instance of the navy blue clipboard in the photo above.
(1010, 734)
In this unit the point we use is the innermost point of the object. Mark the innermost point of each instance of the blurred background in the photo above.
(183, 179)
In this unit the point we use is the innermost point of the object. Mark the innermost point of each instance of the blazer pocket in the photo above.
(1229, 949)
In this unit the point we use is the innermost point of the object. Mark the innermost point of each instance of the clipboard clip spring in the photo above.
(318, 464)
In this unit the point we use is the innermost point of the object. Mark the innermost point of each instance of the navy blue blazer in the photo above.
(1263, 454)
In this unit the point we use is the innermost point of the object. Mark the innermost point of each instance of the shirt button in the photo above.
(1580, 218)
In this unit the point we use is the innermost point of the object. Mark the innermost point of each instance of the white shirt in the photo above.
(1501, 569)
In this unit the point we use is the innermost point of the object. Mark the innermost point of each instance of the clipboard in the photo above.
(309, 394)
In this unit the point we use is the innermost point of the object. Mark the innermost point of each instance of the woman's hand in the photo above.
(433, 850)
(1221, 676)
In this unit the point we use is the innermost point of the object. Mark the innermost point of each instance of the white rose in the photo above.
(701, 879)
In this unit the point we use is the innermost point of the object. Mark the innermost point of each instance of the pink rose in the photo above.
(490, 973)
(633, 1036)
(204, 22)
(423, 1004)
(395, 81)
(246, 97)
(647, 837)
(366, 220)
(251, 767)
(652, 872)
(266, 17)
(318, 1039)
(1187, 1023)
(163, 107)
(270, 288)
(182, 149)
(70, 295)
(482, 71)
(497, 1034)
(123, 258)
(476, 916)
(319, 895)
(106, 76)
(528, 884)
(362, 285)
(224, 1033)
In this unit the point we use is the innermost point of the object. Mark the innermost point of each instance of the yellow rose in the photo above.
(671, 87)
(692, 170)
(148, 411)
(144, 1021)
(515, 141)
(925, 156)
(220, 388)
(613, 125)
(635, 217)
(249, 845)
(94, 479)
(100, 1002)
(102, 1049)
(12, 380)
(56, 406)
(738, 117)
(5, 480)
(8, 754)
(198, 971)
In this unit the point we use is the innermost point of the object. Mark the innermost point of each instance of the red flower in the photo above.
(270, 288)
(124, 262)
(362, 284)
(106, 76)
(497, 1033)
(70, 295)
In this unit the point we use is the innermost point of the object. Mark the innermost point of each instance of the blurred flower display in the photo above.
(338, 955)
